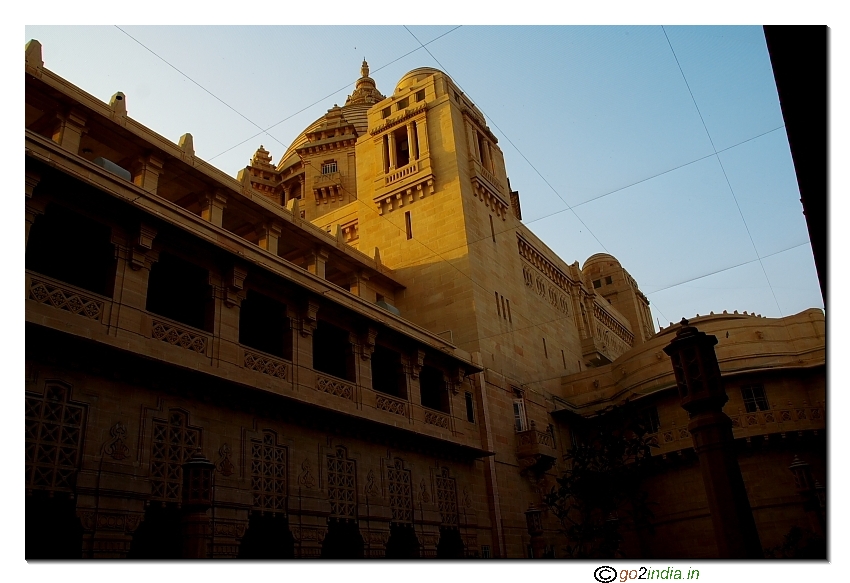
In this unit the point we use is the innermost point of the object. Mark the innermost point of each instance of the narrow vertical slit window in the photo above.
(497, 304)
(508, 304)
(564, 358)
(470, 408)
(408, 225)
(504, 311)
(545, 351)
(492, 230)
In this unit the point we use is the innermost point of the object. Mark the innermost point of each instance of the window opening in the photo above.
(180, 290)
(433, 389)
(402, 147)
(470, 408)
(420, 95)
(385, 113)
(545, 351)
(263, 325)
(329, 167)
(174, 442)
(408, 225)
(387, 374)
(332, 352)
(649, 419)
(508, 305)
(597, 283)
(520, 422)
(608, 280)
(498, 311)
(492, 229)
(403, 103)
(754, 398)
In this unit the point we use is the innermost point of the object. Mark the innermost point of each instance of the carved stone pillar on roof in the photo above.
(146, 171)
(268, 236)
(69, 130)
(316, 261)
(34, 208)
(212, 207)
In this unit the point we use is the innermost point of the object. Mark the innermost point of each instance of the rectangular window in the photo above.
(470, 408)
(420, 95)
(385, 113)
(649, 418)
(520, 423)
(329, 167)
(608, 280)
(754, 398)
(508, 304)
(597, 283)
(492, 230)
(403, 103)
(545, 351)
(497, 304)
(407, 225)
(485, 551)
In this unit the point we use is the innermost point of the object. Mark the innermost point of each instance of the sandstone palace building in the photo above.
(375, 354)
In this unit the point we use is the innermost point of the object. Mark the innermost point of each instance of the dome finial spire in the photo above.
(364, 69)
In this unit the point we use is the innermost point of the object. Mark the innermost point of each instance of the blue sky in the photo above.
(610, 144)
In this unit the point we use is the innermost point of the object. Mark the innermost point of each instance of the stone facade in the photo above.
(375, 353)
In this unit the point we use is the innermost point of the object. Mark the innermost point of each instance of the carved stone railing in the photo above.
(179, 335)
(327, 179)
(438, 419)
(400, 173)
(334, 386)
(535, 450)
(391, 405)
(265, 364)
(65, 297)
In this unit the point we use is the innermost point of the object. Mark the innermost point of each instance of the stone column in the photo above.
(411, 142)
(228, 298)
(471, 139)
(303, 324)
(316, 262)
(69, 131)
(422, 134)
(391, 150)
(366, 345)
(412, 365)
(135, 257)
(33, 208)
(146, 172)
(702, 395)
(269, 234)
(212, 207)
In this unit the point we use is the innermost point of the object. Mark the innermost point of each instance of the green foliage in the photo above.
(601, 492)
(799, 543)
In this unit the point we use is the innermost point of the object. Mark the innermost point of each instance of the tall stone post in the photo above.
(197, 500)
(702, 395)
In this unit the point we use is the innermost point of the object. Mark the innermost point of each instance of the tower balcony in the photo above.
(535, 450)
(404, 185)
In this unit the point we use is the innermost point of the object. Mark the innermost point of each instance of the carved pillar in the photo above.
(366, 345)
(308, 513)
(108, 534)
(69, 131)
(411, 142)
(422, 135)
(391, 150)
(212, 207)
(385, 155)
(375, 515)
(412, 364)
(426, 520)
(303, 325)
(34, 208)
(135, 257)
(487, 160)
(471, 139)
(316, 262)
(269, 234)
(228, 298)
(146, 172)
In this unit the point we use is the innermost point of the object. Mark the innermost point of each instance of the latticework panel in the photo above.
(268, 474)
(173, 444)
(401, 495)
(342, 485)
(54, 432)
(447, 497)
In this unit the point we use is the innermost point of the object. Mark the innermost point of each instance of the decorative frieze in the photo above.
(265, 364)
(335, 387)
(178, 336)
(390, 405)
(543, 265)
(438, 419)
(395, 120)
(65, 298)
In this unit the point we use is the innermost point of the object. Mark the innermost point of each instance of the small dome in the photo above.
(415, 76)
(600, 258)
